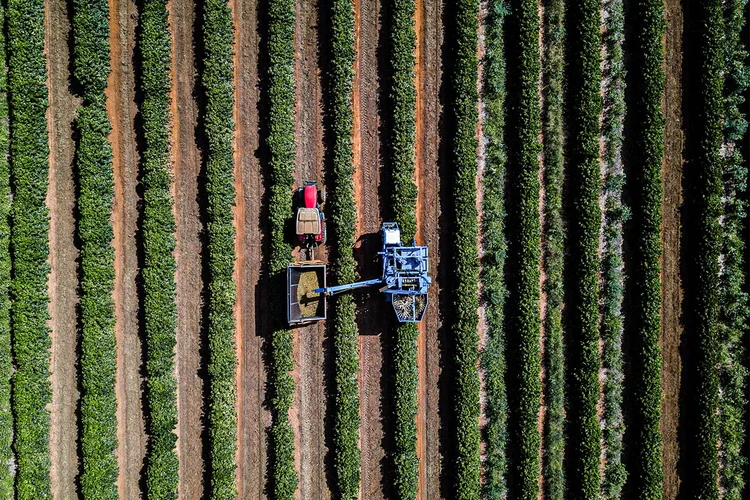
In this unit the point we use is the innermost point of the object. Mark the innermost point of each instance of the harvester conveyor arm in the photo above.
(331, 290)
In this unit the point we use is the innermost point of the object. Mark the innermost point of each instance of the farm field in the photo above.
(576, 170)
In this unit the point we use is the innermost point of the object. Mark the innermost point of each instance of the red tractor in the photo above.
(310, 224)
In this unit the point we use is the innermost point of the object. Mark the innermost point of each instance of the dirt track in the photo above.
(373, 336)
(63, 281)
(429, 28)
(311, 347)
(122, 110)
(253, 416)
(187, 167)
(672, 327)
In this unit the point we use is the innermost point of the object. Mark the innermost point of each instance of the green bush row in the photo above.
(705, 23)
(492, 359)
(462, 143)
(282, 153)
(553, 246)
(29, 154)
(160, 310)
(584, 224)
(734, 311)
(611, 321)
(646, 88)
(218, 85)
(401, 156)
(6, 362)
(342, 216)
(95, 179)
(522, 322)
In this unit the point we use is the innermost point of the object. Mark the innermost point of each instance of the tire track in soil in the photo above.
(371, 311)
(253, 417)
(672, 328)
(311, 346)
(63, 280)
(121, 109)
(186, 160)
(429, 31)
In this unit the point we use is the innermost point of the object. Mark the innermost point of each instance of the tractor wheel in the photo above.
(324, 232)
(322, 196)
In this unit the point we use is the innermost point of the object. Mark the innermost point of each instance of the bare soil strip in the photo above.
(121, 109)
(373, 337)
(429, 30)
(672, 328)
(187, 166)
(310, 343)
(253, 416)
(63, 281)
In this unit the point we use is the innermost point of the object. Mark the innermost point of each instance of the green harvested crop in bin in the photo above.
(306, 296)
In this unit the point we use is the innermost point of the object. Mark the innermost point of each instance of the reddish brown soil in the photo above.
(672, 328)
(121, 109)
(310, 344)
(373, 338)
(253, 417)
(429, 42)
(63, 280)
(187, 165)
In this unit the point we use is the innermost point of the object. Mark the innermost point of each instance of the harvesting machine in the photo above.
(404, 281)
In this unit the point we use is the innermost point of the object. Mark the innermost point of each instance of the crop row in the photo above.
(584, 223)
(522, 323)
(734, 312)
(646, 85)
(29, 153)
(281, 149)
(218, 85)
(553, 74)
(160, 310)
(463, 116)
(94, 203)
(493, 260)
(6, 362)
(705, 21)
(342, 217)
(402, 152)
(611, 326)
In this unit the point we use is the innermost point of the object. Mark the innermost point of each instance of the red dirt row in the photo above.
(122, 111)
(672, 328)
(63, 252)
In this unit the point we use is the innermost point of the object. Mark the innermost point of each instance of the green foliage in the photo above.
(94, 203)
(734, 310)
(704, 190)
(403, 99)
(584, 223)
(281, 146)
(160, 310)
(611, 321)
(342, 216)
(493, 261)
(402, 136)
(462, 115)
(553, 246)
(522, 321)
(218, 84)
(646, 83)
(6, 362)
(29, 154)
(405, 429)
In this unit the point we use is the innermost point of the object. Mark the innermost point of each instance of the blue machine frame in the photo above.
(405, 277)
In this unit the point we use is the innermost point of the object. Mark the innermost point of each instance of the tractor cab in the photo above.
(309, 225)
